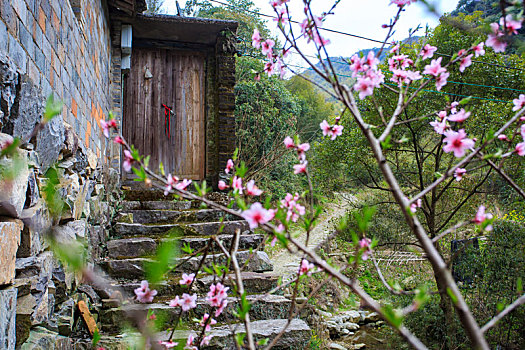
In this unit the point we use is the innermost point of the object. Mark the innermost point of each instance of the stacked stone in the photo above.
(143, 224)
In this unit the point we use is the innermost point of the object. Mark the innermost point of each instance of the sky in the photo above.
(361, 17)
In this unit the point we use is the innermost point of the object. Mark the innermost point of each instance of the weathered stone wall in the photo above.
(56, 50)
(46, 46)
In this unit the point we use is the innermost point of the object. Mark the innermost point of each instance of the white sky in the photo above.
(361, 17)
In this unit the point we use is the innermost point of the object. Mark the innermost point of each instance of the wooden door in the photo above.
(176, 79)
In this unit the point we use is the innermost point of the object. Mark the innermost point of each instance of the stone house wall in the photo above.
(64, 52)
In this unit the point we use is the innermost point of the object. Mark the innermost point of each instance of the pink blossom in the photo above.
(168, 344)
(237, 184)
(442, 115)
(479, 50)
(457, 142)
(395, 49)
(440, 126)
(257, 215)
(459, 117)
(256, 39)
(434, 68)
(415, 205)
(306, 268)
(187, 279)
(458, 173)
(427, 51)
(105, 127)
(128, 159)
(365, 243)
(175, 302)
(519, 103)
(303, 147)
(453, 106)
(144, 294)
(465, 62)
(269, 68)
(118, 140)
(401, 3)
(503, 137)
(252, 189)
(481, 216)
(282, 16)
(512, 26)
(332, 131)
(522, 131)
(267, 47)
(189, 343)
(288, 142)
(364, 86)
(171, 181)
(188, 302)
(222, 185)
(217, 293)
(496, 40)
(300, 168)
(206, 340)
(371, 60)
(520, 149)
(204, 320)
(221, 308)
(229, 166)
(441, 80)
(181, 186)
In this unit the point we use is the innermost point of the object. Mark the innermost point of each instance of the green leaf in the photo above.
(385, 145)
(263, 341)
(160, 265)
(96, 338)
(519, 285)
(161, 169)
(393, 316)
(452, 295)
(239, 338)
(53, 108)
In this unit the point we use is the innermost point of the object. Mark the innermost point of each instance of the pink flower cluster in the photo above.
(481, 217)
(365, 243)
(186, 302)
(217, 297)
(128, 160)
(415, 205)
(457, 142)
(173, 182)
(236, 183)
(331, 130)
(294, 209)
(310, 28)
(439, 73)
(107, 126)
(306, 268)
(144, 294)
(275, 64)
(368, 76)
(257, 215)
(301, 153)
(506, 26)
(398, 65)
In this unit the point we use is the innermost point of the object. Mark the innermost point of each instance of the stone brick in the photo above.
(42, 19)
(20, 8)
(17, 54)
(8, 318)
(26, 39)
(10, 231)
(3, 37)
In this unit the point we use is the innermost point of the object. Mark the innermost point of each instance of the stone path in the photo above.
(144, 225)
(286, 264)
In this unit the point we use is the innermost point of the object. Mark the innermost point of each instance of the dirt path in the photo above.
(286, 264)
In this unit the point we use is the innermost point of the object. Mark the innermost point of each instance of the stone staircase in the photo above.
(143, 225)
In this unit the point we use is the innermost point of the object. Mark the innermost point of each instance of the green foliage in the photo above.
(161, 264)
(312, 107)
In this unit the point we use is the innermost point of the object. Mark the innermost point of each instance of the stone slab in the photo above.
(10, 232)
(8, 318)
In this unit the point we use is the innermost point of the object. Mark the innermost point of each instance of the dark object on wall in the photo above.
(464, 267)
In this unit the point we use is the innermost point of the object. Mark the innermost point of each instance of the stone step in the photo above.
(155, 205)
(133, 269)
(174, 216)
(138, 247)
(254, 283)
(297, 334)
(262, 308)
(197, 229)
